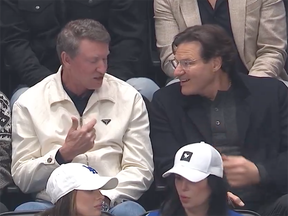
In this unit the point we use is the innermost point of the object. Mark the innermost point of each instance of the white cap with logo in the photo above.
(76, 176)
(196, 162)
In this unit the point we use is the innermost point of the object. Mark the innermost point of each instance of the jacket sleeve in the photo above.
(136, 175)
(166, 29)
(126, 26)
(274, 172)
(164, 142)
(272, 40)
(5, 142)
(16, 40)
(30, 169)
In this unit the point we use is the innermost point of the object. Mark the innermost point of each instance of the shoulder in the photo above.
(263, 85)
(37, 92)
(119, 87)
(167, 93)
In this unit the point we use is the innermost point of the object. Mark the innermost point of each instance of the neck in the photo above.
(220, 83)
(71, 84)
(198, 211)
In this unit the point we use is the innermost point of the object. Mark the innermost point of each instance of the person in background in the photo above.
(257, 28)
(5, 146)
(74, 189)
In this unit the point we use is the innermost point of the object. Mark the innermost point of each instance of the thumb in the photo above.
(74, 123)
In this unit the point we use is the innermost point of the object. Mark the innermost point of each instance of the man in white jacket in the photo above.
(80, 114)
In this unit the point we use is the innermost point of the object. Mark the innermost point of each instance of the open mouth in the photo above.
(184, 80)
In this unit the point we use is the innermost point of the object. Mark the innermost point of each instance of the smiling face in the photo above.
(88, 203)
(86, 70)
(194, 73)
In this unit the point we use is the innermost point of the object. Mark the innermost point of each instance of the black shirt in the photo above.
(222, 115)
(220, 15)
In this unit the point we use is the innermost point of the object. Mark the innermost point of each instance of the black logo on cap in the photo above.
(186, 156)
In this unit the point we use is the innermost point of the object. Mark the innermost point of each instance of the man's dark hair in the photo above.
(215, 42)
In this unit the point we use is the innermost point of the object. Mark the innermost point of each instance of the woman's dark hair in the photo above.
(218, 201)
(64, 206)
(215, 42)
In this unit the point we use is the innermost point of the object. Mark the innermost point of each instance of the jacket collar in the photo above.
(58, 94)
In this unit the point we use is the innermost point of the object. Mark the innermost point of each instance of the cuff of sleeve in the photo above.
(59, 158)
(263, 174)
(49, 158)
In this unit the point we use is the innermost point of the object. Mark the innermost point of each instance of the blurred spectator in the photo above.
(243, 117)
(5, 146)
(30, 29)
(258, 30)
(5, 141)
(80, 114)
(74, 189)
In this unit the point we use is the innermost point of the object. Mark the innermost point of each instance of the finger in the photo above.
(74, 123)
(224, 157)
(90, 125)
(235, 199)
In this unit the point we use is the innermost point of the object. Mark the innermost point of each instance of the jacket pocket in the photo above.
(36, 6)
(39, 14)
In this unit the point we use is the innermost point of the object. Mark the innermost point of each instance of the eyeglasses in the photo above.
(185, 64)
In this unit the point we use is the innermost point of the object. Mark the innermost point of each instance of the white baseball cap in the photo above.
(196, 162)
(76, 176)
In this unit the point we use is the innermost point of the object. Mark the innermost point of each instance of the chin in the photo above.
(187, 92)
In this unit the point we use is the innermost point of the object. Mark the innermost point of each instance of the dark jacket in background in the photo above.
(30, 28)
(262, 121)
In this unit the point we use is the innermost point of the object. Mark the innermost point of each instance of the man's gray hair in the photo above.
(69, 38)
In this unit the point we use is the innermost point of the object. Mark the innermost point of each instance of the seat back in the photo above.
(20, 213)
(246, 212)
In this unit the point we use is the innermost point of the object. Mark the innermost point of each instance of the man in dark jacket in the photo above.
(244, 117)
(30, 28)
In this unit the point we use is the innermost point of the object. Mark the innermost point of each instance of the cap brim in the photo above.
(189, 174)
(102, 183)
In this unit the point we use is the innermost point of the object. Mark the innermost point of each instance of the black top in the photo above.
(220, 15)
(222, 117)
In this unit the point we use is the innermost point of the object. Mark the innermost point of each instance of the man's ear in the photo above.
(65, 59)
(217, 63)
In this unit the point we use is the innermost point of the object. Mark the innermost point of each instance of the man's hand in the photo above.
(239, 171)
(78, 141)
(234, 200)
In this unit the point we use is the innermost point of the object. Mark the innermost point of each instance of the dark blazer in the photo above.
(262, 120)
(29, 29)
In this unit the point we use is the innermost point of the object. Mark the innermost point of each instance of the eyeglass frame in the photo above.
(185, 63)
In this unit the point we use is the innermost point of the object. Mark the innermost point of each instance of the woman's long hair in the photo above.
(64, 206)
(218, 201)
